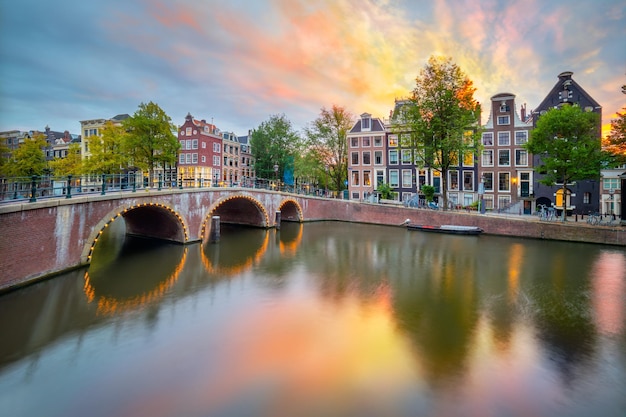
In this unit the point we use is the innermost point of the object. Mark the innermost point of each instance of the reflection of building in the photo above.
(366, 156)
(584, 196)
(199, 160)
(505, 166)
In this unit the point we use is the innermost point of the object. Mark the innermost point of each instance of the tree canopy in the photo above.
(274, 142)
(327, 142)
(107, 151)
(568, 142)
(149, 140)
(72, 164)
(616, 141)
(27, 159)
(442, 118)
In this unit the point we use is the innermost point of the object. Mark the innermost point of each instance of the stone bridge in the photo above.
(48, 236)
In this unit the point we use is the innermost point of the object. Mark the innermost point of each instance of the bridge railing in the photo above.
(33, 188)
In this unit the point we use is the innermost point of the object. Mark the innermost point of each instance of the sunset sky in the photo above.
(236, 63)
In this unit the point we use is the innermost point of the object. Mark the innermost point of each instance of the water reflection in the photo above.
(324, 319)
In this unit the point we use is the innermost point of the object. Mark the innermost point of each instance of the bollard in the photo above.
(277, 225)
(214, 236)
(69, 187)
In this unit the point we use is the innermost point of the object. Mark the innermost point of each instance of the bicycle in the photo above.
(593, 219)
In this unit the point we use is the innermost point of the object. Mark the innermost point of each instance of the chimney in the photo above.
(523, 112)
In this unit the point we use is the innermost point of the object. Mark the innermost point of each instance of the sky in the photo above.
(236, 63)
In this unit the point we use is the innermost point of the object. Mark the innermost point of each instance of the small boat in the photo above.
(447, 228)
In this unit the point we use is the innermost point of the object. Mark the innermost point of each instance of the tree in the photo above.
(567, 140)
(326, 137)
(274, 142)
(149, 141)
(28, 158)
(72, 164)
(442, 118)
(107, 151)
(616, 141)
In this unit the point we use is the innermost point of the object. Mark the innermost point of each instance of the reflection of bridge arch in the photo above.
(236, 209)
(290, 211)
(213, 268)
(289, 242)
(152, 220)
(110, 305)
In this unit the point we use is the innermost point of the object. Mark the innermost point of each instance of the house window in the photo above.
(504, 139)
(181, 158)
(504, 181)
(504, 120)
(468, 159)
(188, 131)
(378, 141)
(454, 180)
(586, 198)
(393, 140)
(367, 160)
(488, 139)
(488, 158)
(406, 156)
(216, 147)
(521, 157)
(610, 184)
(354, 142)
(355, 158)
(188, 158)
(367, 178)
(194, 158)
(393, 157)
(365, 123)
(378, 157)
(503, 201)
(366, 141)
(488, 181)
(393, 178)
(504, 158)
(216, 161)
(521, 137)
(194, 144)
(405, 140)
(203, 158)
(468, 181)
(355, 178)
(407, 178)
(203, 145)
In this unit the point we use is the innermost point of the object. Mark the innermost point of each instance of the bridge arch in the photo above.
(237, 209)
(291, 211)
(153, 220)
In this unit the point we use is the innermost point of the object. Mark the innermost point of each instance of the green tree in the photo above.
(107, 154)
(568, 141)
(28, 158)
(72, 164)
(442, 118)
(274, 142)
(429, 192)
(149, 141)
(326, 137)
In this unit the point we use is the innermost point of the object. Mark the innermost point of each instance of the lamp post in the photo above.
(276, 174)
(611, 193)
(481, 194)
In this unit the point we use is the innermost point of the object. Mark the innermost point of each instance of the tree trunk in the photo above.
(564, 214)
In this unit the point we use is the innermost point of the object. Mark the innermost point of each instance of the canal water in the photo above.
(322, 319)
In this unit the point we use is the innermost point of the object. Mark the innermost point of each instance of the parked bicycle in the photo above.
(546, 213)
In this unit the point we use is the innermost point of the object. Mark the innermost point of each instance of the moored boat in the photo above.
(447, 228)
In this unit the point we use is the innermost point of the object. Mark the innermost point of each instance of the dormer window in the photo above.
(503, 107)
(366, 123)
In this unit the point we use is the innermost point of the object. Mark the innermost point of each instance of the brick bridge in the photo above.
(49, 236)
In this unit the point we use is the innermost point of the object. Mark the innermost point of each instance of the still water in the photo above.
(322, 319)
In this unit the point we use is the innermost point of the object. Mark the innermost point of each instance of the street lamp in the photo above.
(611, 192)
(276, 174)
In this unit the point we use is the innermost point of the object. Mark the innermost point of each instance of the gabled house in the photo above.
(366, 157)
(583, 197)
(505, 167)
(200, 156)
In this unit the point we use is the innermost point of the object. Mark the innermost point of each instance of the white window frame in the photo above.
(504, 120)
(504, 138)
(518, 139)
(407, 174)
(508, 153)
(394, 174)
(519, 152)
(487, 152)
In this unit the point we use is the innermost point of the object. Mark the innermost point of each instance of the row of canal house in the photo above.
(502, 173)
(207, 157)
